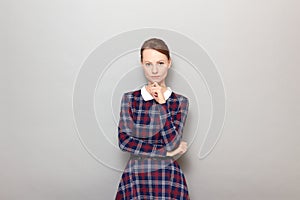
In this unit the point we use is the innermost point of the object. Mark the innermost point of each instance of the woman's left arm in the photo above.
(173, 128)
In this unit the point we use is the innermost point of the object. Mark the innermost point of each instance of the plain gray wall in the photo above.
(254, 44)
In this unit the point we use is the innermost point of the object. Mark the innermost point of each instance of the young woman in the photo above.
(150, 129)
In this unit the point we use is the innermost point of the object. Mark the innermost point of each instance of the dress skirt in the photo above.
(151, 179)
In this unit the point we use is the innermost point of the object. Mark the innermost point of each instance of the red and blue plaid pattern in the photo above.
(150, 129)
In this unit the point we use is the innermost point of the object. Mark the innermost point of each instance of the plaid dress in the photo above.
(148, 130)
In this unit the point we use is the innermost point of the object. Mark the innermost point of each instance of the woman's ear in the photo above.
(170, 63)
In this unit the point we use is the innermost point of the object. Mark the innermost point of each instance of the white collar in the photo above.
(147, 96)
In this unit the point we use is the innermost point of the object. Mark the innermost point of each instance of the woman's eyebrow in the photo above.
(155, 61)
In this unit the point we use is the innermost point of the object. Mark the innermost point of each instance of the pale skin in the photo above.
(156, 66)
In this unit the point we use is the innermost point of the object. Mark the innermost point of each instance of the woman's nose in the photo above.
(154, 69)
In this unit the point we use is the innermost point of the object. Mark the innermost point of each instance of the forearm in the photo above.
(138, 146)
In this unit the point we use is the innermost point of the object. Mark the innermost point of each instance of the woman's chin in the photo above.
(155, 80)
(159, 83)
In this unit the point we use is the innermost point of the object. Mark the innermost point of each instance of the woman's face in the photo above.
(155, 65)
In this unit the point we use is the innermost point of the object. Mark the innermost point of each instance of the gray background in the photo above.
(254, 44)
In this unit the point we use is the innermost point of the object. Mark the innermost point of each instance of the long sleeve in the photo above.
(172, 129)
(129, 143)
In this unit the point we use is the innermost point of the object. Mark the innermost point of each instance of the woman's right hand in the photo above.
(181, 149)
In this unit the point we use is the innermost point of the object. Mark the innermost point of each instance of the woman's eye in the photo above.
(147, 64)
(161, 63)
